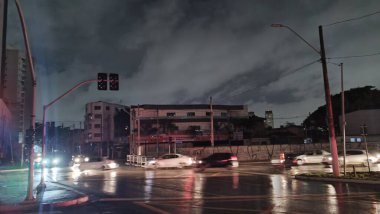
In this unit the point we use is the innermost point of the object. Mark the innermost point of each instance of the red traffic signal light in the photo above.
(114, 82)
(102, 81)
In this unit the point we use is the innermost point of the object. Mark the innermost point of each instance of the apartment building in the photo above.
(17, 93)
(154, 124)
(106, 128)
(5, 130)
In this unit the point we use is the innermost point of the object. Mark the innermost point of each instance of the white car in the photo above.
(171, 160)
(353, 157)
(311, 157)
(98, 163)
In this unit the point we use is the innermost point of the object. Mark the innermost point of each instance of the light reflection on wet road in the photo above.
(252, 188)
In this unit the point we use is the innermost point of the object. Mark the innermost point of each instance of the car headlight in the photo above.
(55, 161)
(200, 161)
(86, 159)
(152, 162)
(329, 158)
(38, 160)
(76, 160)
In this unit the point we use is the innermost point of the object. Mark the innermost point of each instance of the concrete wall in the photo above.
(253, 152)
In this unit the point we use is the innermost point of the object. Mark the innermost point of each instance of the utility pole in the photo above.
(343, 120)
(330, 119)
(138, 131)
(364, 134)
(211, 124)
(157, 132)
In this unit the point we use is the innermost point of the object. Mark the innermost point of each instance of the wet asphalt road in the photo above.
(251, 188)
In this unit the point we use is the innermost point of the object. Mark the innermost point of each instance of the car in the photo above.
(51, 160)
(288, 159)
(311, 157)
(353, 157)
(170, 161)
(77, 159)
(98, 163)
(219, 160)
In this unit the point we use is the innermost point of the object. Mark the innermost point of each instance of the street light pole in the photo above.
(343, 119)
(29, 195)
(45, 108)
(334, 151)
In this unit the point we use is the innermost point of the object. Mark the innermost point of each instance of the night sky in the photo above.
(184, 51)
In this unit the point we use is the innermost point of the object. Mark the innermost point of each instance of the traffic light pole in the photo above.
(29, 194)
(42, 184)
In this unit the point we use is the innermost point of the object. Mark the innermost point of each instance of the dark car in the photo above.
(219, 160)
(290, 159)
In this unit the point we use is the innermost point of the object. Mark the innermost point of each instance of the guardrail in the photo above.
(136, 160)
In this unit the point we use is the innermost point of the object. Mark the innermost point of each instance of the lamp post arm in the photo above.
(45, 107)
(299, 36)
(69, 91)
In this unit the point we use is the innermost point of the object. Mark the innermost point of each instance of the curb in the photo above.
(23, 206)
(300, 177)
(68, 203)
(14, 170)
(33, 205)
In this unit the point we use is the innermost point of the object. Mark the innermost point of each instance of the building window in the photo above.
(97, 126)
(107, 108)
(208, 113)
(89, 126)
(98, 135)
(98, 116)
(97, 107)
(170, 114)
(223, 114)
(191, 114)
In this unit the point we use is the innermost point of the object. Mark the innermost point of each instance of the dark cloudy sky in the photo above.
(184, 51)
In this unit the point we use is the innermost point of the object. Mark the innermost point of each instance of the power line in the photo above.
(287, 72)
(355, 56)
(353, 19)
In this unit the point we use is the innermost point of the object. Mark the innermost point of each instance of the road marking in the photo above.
(155, 209)
(237, 197)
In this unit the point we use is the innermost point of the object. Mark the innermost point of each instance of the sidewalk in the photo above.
(13, 187)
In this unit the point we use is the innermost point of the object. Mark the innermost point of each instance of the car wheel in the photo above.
(103, 167)
(300, 162)
(156, 166)
(181, 165)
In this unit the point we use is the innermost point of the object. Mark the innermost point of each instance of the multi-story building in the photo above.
(18, 93)
(106, 128)
(269, 122)
(191, 124)
(356, 120)
(5, 130)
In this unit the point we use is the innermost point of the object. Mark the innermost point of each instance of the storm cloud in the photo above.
(184, 51)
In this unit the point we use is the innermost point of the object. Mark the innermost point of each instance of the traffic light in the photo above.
(102, 81)
(114, 82)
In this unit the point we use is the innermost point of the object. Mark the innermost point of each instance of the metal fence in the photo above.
(136, 160)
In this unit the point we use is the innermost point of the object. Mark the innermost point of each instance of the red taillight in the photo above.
(233, 157)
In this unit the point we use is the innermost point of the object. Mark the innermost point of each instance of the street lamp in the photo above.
(42, 184)
(321, 52)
